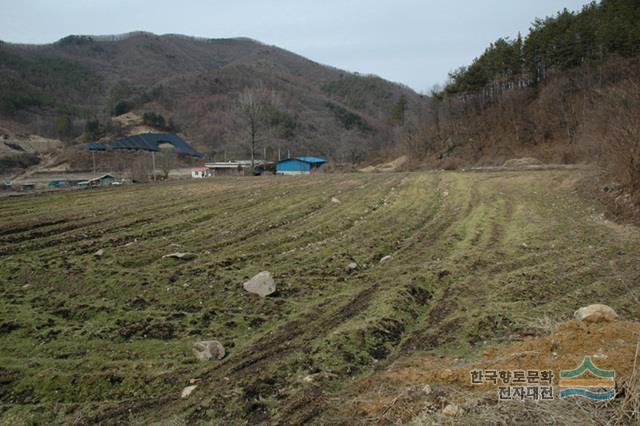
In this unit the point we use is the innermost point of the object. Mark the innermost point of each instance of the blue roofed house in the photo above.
(299, 166)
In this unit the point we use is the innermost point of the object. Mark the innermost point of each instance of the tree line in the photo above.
(561, 42)
(578, 75)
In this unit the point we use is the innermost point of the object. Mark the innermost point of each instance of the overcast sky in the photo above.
(414, 42)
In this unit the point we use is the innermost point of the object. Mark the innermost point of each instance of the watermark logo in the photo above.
(588, 381)
(517, 385)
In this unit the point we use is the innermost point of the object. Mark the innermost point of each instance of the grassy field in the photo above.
(476, 258)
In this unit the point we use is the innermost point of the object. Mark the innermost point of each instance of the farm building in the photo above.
(154, 142)
(265, 167)
(104, 180)
(151, 142)
(200, 172)
(299, 166)
(59, 183)
(230, 168)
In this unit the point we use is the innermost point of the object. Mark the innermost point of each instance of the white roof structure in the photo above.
(232, 164)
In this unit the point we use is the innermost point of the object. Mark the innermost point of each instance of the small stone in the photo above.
(600, 354)
(208, 349)
(386, 259)
(187, 391)
(335, 200)
(181, 256)
(99, 253)
(308, 379)
(447, 375)
(443, 273)
(596, 313)
(452, 410)
(352, 267)
(262, 284)
(417, 392)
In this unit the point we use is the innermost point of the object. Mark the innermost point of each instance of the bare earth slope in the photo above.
(477, 260)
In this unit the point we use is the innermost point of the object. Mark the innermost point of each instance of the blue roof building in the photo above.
(153, 142)
(299, 166)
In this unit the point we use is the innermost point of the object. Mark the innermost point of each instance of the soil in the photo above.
(478, 261)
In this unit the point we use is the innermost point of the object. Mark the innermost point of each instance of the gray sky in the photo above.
(408, 41)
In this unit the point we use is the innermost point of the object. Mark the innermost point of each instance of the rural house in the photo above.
(200, 172)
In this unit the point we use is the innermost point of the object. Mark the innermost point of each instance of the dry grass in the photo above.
(629, 411)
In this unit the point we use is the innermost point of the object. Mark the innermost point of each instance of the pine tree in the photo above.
(399, 111)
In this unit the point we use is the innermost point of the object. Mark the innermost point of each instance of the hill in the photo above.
(72, 88)
(97, 326)
(566, 92)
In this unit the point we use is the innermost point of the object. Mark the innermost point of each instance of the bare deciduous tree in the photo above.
(140, 168)
(166, 162)
(253, 106)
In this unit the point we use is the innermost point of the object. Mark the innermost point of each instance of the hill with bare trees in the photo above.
(567, 92)
(72, 89)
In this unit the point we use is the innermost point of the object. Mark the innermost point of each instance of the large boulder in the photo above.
(596, 313)
(262, 284)
(208, 349)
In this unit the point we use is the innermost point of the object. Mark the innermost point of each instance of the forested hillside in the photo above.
(566, 92)
(559, 43)
(73, 88)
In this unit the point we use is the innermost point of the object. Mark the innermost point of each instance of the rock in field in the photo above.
(99, 253)
(187, 391)
(334, 200)
(351, 267)
(447, 375)
(181, 256)
(386, 259)
(596, 313)
(452, 410)
(208, 349)
(417, 392)
(262, 284)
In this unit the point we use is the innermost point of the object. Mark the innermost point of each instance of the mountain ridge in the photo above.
(195, 82)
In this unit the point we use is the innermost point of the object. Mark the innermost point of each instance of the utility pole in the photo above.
(264, 153)
(278, 153)
(153, 159)
(288, 154)
(93, 157)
